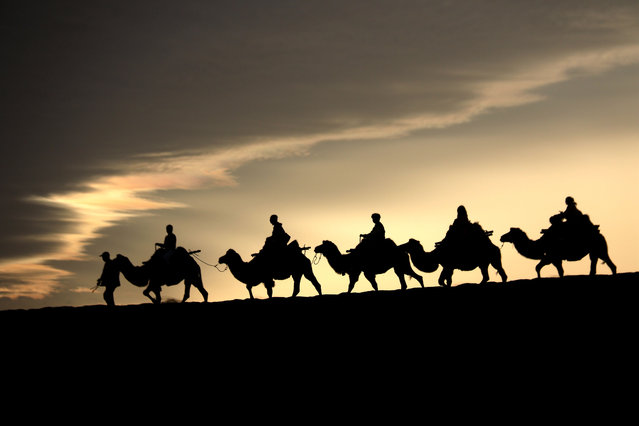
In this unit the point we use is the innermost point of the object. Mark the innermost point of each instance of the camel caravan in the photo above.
(466, 246)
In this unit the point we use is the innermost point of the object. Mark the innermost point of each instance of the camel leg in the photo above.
(353, 277)
(147, 293)
(250, 290)
(187, 290)
(500, 269)
(309, 275)
(502, 274)
(560, 268)
(296, 284)
(371, 277)
(607, 261)
(198, 284)
(269, 288)
(593, 264)
(484, 274)
(446, 277)
(540, 265)
(402, 280)
(418, 277)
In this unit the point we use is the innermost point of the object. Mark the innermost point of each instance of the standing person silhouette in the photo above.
(110, 278)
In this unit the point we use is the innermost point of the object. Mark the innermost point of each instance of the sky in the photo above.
(121, 117)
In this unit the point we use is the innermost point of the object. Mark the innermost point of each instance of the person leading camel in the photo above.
(110, 278)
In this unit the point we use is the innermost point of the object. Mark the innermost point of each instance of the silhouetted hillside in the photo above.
(522, 335)
(581, 303)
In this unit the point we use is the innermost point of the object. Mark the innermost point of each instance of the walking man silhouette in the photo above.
(110, 278)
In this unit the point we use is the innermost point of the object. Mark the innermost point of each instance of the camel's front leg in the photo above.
(446, 277)
(147, 293)
(352, 277)
(540, 265)
(296, 284)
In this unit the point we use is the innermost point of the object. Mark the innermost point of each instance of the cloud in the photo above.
(30, 278)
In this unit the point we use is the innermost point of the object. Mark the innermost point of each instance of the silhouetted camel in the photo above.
(451, 260)
(257, 271)
(154, 274)
(554, 251)
(353, 264)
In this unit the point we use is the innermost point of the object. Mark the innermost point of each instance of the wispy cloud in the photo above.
(136, 188)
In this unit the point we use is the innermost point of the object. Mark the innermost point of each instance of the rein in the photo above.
(194, 254)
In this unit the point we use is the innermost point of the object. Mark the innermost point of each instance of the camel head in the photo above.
(230, 256)
(120, 259)
(513, 235)
(325, 247)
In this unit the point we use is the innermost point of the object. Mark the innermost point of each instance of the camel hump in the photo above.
(389, 244)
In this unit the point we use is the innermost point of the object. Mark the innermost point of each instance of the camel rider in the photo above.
(575, 220)
(373, 239)
(110, 278)
(170, 243)
(458, 229)
(462, 218)
(462, 229)
(378, 232)
(278, 239)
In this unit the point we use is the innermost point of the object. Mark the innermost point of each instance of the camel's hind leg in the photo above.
(500, 269)
(484, 274)
(197, 283)
(187, 290)
(407, 270)
(200, 287)
(400, 275)
(156, 290)
(309, 275)
(371, 278)
(606, 259)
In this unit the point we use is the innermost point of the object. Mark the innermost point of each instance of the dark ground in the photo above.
(514, 351)
(575, 307)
